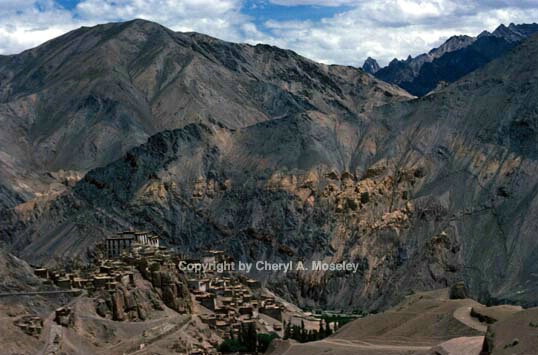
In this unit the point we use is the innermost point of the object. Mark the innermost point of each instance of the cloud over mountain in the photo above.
(342, 31)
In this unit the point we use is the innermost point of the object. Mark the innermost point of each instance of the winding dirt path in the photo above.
(338, 346)
(461, 346)
(463, 314)
(365, 345)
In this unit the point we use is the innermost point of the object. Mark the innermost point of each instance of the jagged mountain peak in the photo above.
(452, 44)
(484, 33)
(509, 33)
(370, 65)
(456, 57)
(513, 32)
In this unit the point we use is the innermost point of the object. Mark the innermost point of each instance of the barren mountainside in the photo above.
(267, 155)
(82, 100)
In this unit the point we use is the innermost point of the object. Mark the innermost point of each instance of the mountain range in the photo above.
(456, 57)
(268, 155)
(82, 100)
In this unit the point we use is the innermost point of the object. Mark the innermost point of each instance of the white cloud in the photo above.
(25, 24)
(220, 18)
(28, 23)
(387, 29)
(327, 3)
(382, 29)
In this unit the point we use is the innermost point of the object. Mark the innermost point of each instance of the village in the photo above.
(225, 301)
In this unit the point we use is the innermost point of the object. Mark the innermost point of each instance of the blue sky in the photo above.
(330, 31)
(262, 11)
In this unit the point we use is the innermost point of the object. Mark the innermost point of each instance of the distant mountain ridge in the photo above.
(456, 57)
(512, 33)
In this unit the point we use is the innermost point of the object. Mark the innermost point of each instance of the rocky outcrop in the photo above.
(127, 303)
(170, 285)
(174, 293)
(356, 215)
(124, 304)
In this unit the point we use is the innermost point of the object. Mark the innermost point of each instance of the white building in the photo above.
(124, 241)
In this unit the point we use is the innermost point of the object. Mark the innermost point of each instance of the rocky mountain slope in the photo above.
(420, 193)
(478, 137)
(82, 100)
(16, 274)
(458, 56)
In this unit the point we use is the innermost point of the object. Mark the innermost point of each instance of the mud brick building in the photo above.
(125, 241)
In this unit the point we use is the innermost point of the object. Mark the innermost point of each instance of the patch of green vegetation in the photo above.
(264, 340)
(357, 313)
(340, 320)
(327, 326)
(232, 346)
(248, 341)
(302, 335)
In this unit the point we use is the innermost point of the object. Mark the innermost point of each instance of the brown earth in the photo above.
(422, 324)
